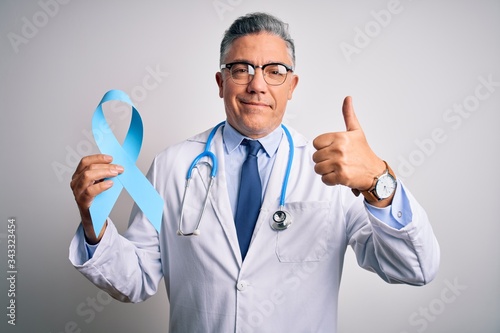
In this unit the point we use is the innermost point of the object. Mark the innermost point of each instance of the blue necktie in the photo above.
(249, 197)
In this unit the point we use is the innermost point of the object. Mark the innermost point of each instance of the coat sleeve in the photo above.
(128, 267)
(407, 255)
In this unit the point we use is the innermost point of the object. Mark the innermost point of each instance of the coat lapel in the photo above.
(220, 198)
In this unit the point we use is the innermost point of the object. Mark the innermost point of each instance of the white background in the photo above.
(406, 78)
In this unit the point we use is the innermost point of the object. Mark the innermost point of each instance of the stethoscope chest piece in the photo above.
(281, 220)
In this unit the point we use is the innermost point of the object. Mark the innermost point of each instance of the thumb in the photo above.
(350, 119)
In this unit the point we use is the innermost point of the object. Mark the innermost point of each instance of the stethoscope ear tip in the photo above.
(196, 232)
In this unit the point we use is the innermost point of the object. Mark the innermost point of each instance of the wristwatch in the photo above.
(383, 186)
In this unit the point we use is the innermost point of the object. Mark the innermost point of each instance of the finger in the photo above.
(324, 168)
(317, 156)
(95, 172)
(350, 119)
(331, 146)
(322, 141)
(91, 176)
(327, 139)
(330, 179)
(93, 159)
(324, 154)
(87, 196)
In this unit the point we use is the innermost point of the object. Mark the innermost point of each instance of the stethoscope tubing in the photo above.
(213, 173)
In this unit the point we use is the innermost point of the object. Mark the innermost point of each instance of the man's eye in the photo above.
(275, 70)
(240, 70)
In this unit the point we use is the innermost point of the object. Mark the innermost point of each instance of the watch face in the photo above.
(385, 186)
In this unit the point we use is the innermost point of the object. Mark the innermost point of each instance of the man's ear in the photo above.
(220, 83)
(293, 85)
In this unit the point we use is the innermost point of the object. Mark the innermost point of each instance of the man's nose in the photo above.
(258, 83)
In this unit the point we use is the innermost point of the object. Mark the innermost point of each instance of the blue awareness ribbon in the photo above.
(137, 185)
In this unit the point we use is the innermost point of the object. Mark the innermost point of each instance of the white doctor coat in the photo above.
(289, 281)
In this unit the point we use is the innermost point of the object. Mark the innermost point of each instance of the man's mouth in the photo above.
(254, 103)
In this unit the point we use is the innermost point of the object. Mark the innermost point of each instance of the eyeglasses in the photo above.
(243, 72)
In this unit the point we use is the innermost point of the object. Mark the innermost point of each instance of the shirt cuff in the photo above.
(90, 249)
(398, 214)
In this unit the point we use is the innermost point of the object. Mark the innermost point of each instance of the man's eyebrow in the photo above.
(249, 62)
(240, 60)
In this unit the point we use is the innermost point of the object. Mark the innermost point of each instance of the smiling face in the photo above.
(256, 109)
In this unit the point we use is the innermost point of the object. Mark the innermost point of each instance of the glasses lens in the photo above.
(275, 74)
(241, 73)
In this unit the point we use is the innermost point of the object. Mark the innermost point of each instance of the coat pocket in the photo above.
(308, 237)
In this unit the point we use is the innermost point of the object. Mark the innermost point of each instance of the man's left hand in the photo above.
(345, 158)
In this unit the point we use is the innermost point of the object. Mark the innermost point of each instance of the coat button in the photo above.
(242, 285)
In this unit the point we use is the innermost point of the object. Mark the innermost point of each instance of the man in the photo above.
(267, 280)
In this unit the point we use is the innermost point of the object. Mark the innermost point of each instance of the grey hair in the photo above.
(255, 23)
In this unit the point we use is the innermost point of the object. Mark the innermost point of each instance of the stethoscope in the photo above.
(281, 219)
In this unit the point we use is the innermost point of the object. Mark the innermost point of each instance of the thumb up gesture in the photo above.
(345, 158)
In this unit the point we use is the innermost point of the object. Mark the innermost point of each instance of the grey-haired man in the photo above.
(279, 279)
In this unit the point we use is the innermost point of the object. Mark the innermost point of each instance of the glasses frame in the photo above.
(231, 64)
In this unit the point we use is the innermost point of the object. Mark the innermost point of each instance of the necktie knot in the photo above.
(253, 146)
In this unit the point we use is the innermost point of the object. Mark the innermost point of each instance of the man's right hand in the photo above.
(87, 182)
